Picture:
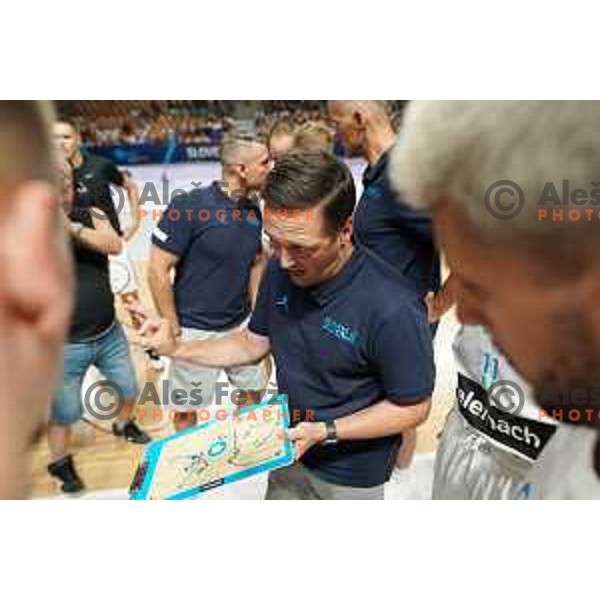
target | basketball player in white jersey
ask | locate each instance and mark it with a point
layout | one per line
(513, 191)
(495, 432)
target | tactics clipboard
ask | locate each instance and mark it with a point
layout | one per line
(247, 442)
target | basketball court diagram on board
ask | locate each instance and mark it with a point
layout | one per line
(244, 443)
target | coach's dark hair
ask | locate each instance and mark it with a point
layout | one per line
(307, 180)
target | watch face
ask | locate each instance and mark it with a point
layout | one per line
(331, 433)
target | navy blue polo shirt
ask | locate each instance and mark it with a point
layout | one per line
(343, 346)
(217, 241)
(400, 235)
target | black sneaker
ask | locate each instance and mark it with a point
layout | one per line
(64, 470)
(131, 432)
(155, 362)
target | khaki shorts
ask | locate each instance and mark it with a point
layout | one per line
(123, 278)
(296, 482)
(200, 383)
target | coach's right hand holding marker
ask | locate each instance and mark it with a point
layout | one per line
(240, 347)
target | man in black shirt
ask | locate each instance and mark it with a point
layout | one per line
(93, 178)
(96, 178)
(95, 338)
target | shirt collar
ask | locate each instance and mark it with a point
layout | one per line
(374, 172)
(330, 289)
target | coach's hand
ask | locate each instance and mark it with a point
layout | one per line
(439, 303)
(435, 309)
(305, 435)
(154, 333)
(176, 328)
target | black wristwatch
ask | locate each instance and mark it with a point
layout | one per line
(331, 433)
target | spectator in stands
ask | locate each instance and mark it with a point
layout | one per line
(280, 139)
(313, 136)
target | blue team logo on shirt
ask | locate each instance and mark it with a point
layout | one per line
(81, 188)
(524, 492)
(282, 304)
(373, 190)
(338, 330)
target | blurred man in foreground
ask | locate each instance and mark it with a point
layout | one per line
(35, 288)
(512, 187)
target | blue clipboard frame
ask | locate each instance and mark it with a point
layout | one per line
(144, 476)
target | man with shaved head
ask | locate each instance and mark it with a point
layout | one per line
(35, 288)
(212, 239)
(512, 187)
(397, 233)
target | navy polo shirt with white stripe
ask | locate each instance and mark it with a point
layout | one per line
(217, 241)
(342, 346)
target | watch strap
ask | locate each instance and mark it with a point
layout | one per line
(331, 430)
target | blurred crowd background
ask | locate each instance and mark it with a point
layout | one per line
(117, 125)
